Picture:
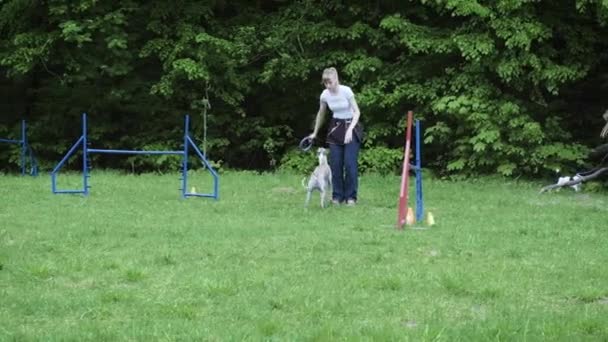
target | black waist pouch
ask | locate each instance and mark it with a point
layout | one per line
(337, 130)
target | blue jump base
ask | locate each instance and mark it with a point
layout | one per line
(86, 165)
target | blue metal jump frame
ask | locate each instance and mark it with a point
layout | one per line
(86, 165)
(418, 171)
(26, 151)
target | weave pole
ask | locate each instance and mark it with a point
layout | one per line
(405, 174)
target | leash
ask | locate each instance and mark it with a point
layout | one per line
(306, 144)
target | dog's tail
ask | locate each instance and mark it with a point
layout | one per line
(304, 183)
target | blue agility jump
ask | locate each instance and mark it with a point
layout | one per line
(27, 155)
(86, 165)
(418, 172)
(403, 209)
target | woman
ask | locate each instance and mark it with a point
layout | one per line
(344, 136)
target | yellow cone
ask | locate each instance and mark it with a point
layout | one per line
(193, 190)
(410, 219)
(430, 220)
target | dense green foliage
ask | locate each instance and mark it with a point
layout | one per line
(510, 86)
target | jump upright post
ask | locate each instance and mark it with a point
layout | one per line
(405, 175)
(26, 151)
(86, 164)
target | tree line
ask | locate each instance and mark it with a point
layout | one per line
(510, 87)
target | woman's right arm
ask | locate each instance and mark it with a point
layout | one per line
(319, 119)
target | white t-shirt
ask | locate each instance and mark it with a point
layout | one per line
(339, 103)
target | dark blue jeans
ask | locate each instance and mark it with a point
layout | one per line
(344, 170)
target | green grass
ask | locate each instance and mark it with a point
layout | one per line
(133, 261)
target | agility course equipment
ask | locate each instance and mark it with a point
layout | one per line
(86, 164)
(405, 174)
(27, 155)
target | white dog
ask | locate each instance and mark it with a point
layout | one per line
(320, 179)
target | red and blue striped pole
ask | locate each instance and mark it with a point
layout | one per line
(403, 194)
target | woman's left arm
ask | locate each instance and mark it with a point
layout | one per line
(348, 137)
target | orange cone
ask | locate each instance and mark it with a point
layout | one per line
(410, 219)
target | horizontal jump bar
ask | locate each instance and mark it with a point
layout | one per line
(11, 141)
(96, 150)
(69, 191)
(199, 195)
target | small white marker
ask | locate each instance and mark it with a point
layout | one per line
(430, 220)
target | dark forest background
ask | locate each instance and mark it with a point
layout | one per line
(510, 87)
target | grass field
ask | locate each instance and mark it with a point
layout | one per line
(134, 261)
